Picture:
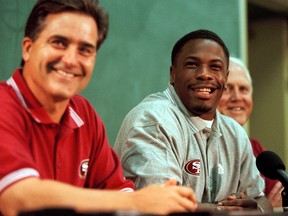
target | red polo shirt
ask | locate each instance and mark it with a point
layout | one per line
(76, 151)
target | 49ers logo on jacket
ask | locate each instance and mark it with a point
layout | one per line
(193, 167)
(83, 168)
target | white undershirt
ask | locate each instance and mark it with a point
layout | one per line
(208, 123)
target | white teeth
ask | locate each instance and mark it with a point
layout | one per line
(203, 90)
(65, 74)
(237, 109)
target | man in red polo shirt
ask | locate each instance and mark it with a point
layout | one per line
(54, 149)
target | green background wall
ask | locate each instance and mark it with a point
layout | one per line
(135, 59)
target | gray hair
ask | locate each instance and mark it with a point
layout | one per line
(243, 66)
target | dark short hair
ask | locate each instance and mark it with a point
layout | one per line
(202, 33)
(36, 20)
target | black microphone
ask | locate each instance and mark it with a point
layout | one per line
(271, 166)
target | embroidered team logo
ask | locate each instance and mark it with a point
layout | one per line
(193, 167)
(83, 168)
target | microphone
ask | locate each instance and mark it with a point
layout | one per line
(271, 166)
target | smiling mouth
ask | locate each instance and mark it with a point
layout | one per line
(236, 109)
(204, 90)
(63, 73)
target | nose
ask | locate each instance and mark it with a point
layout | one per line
(203, 73)
(235, 94)
(69, 57)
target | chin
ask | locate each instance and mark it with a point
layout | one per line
(202, 109)
(240, 121)
(61, 96)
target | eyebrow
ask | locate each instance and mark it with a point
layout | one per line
(89, 45)
(217, 60)
(82, 43)
(192, 57)
(199, 59)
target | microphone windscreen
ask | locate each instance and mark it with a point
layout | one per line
(268, 163)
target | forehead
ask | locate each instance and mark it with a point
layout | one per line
(203, 48)
(237, 75)
(71, 24)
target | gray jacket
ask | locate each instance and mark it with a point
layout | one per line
(159, 139)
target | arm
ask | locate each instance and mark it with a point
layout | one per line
(151, 144)
(148, 157)
(33, 193)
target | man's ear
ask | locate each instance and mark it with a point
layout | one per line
(172, 75)
(26, 48)
(227, 74)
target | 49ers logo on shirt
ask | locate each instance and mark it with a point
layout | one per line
(83, 168)
(193, 167)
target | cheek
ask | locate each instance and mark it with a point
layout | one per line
(89, 65)
(222, 106)
(249, 102)
(222, 102)
(222, 79)
(250, 107)
(88, 68)
(225, 97)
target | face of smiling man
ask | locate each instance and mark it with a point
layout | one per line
(236, 100)
(60, 62)
(199, 75)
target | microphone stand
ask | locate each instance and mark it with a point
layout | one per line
(284, 195)
(282, 176)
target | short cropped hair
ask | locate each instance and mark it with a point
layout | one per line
(36, 20)
(202, 33)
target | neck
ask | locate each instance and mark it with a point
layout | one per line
(56, 110)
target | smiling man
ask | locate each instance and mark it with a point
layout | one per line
(179, 133)
(236, 100)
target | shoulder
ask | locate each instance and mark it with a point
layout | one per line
(155, 115)
(84, 109)
(232, 130)
(10, 103)
(155, 108)
(6, 92)
(79, 100)
(155, 101)
(81, 104)
(229, 123)
(256, 146)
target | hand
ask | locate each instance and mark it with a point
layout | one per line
(165, 199)
(275, 196)
(237, 202)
